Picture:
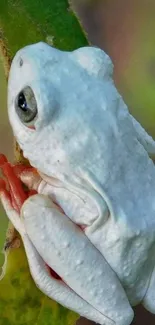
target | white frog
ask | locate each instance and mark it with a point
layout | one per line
(93, 219)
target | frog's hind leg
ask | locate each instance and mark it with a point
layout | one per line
(64, 247)
(149, 298)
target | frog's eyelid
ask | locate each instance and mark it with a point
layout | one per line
(26, 106)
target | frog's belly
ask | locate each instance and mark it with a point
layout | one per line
(131, 257)
(134, 268)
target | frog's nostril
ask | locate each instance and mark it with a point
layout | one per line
(20, 62)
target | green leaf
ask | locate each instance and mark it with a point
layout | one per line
(25, 21)
(21, 302)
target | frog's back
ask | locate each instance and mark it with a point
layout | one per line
(126, 175)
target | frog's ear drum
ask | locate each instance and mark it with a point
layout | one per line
(94, 60)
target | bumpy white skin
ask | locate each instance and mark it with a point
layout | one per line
(93, 158)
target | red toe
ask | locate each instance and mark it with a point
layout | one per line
(16, 191)
(3, 160)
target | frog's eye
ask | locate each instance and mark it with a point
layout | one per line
(26, 105)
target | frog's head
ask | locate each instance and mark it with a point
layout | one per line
(58, 103)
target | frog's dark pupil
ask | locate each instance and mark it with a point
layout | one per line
(22, 104)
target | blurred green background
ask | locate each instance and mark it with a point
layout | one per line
(125, 30)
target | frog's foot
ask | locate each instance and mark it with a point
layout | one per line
(149, 299)
(12, 194)
(15, 191)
